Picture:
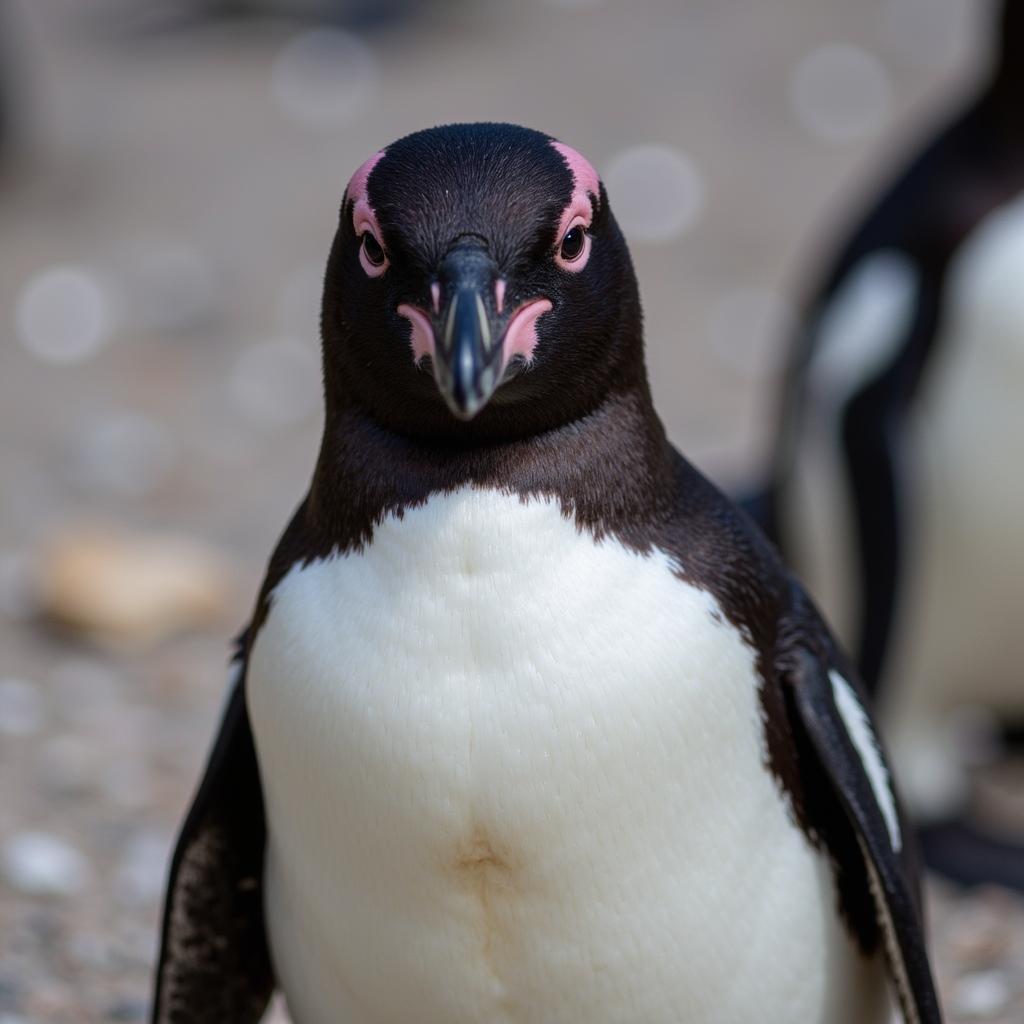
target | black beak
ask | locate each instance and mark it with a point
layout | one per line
(467, 356)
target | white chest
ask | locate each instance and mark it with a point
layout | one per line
(512, 775)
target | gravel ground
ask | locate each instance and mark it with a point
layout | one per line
(165, 212)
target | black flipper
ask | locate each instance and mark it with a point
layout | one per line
(214, 965)
(891, 877)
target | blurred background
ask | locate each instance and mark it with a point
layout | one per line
(170, 175)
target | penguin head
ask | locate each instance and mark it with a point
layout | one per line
(478, 284)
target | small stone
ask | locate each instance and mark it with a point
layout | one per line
(128, 591)
(980, 995)
(43, 865)
(127, 1008)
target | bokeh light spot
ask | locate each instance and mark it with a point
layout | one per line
(656, 191)
(276, 383)
(840, 93)
(63, 315)
(323, 77)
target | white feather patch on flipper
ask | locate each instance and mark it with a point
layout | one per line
(858, 728)
(864, 326)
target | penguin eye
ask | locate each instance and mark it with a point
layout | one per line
(572, 244)
(373, 250)
(574, 249)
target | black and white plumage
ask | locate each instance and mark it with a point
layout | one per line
(894, 489)
(530, 724)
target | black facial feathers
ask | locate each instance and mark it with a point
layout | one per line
(505, 189)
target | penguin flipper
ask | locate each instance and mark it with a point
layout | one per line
(214, 965)
(853, 763)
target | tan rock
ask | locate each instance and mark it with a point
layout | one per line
(128, 590)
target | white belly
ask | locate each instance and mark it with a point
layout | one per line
(514, 776)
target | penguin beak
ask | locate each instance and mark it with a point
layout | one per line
(468, 362)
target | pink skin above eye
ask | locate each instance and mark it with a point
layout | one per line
(364, 219)
(579, 211)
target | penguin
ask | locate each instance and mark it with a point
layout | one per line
(529, 723)
(893, 489)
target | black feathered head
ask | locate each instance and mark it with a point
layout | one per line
(478, 285)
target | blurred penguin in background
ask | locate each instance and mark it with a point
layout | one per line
(897, 481)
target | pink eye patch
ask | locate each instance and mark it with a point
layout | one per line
(579, 210)
(364, 220)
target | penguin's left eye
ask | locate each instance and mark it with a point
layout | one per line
(572, 244)
(574, 249)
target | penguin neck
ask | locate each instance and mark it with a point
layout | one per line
(612, 468)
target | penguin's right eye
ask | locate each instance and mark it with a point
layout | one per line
(373, 250)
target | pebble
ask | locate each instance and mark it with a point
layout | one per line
(981, 995)
(128, 591)
(41, 864)
(128, 1008)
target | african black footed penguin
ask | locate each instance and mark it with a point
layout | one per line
(529, 724)
(897, 490)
